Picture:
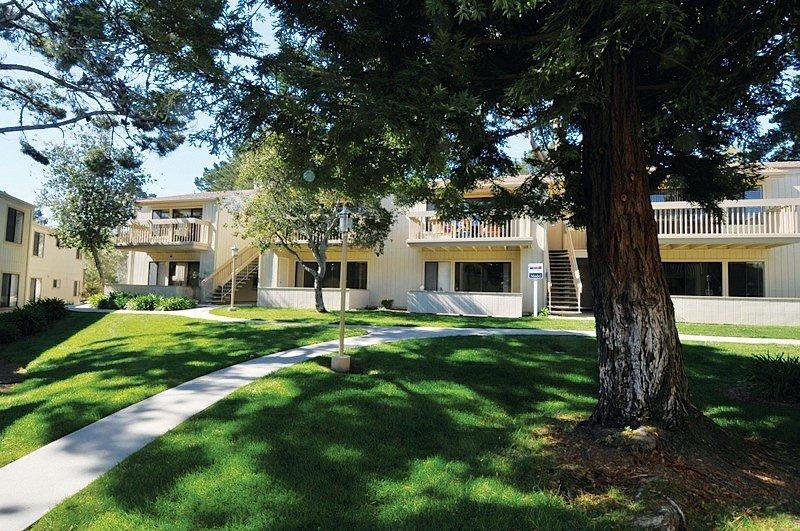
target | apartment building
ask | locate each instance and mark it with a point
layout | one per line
(743, 269)
(15, 228)
(53, 270)
(32, 263)
(181, 245)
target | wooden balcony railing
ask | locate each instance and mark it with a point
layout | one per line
(746, 217)
(426, 226)
(165, 232)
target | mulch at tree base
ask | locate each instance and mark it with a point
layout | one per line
(703, 480)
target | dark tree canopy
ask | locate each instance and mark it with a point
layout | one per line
(117, 64)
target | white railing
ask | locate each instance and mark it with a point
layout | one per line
(164, 232)
(426, 226)
(573, 265)
(746, 217)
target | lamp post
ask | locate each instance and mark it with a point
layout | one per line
(340, 362)
(234, 252)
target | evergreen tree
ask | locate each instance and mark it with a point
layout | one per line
(418, 97)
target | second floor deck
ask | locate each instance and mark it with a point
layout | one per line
(165, 234)
(744, 223)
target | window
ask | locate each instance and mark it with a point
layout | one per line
(694, 278)
(746, 279)
(184, 274)
(9, 290)
(494, 277)
(160, 214)
(356, 275)
(179, 213)
(36, 289)
(38, 244)
(431, 276)
(56, 283)
(76, 288)
(14, 223)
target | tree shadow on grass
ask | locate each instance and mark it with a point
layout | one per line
(428, 433)
(421, 436)
(93, 376)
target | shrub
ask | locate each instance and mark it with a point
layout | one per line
(120, 298)
(776, 377)
(101, 301)
(168, 304)
(30, 319)
(387, 303)
(54, 309)
(544, 312)
(9, 331)
(143, 302)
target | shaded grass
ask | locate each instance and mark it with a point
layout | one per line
(397, 318)
(90, 365)
(444, 433)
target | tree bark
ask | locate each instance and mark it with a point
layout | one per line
(319, 255)
(642, 380)
(98, 264)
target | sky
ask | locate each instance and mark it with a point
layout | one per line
(172, 174)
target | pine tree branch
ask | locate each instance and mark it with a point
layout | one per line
(55, 125)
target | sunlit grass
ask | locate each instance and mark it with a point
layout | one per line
(397, 318)
(90, 365)
(445, 433)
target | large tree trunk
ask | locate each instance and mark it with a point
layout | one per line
(642, 379)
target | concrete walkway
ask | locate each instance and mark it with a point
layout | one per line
(204, 313)
(34, 484)
(37, 482)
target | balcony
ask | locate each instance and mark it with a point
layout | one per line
(426, 230)
(747, 223)
(184, 234)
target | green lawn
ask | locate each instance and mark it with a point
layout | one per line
(395, 318)
(90, 365)
(446, 433)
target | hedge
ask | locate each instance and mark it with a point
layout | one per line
(34, 317)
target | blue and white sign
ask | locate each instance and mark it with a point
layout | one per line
(535, 271)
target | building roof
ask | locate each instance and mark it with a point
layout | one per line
(13, 199)
(198, 197)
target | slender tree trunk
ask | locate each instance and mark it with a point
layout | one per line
(318, 250)
(98, 264)
(642, 379)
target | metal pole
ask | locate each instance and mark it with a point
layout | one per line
(342, 292)
(233, 281)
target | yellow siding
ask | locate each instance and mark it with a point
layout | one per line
(56, 264)
(14, 256)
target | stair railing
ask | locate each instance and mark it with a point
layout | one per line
(573, 265)
(222, 274)
(549, 278)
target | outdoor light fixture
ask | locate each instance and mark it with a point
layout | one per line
(308, 176)
(234, 252)
(340, 362)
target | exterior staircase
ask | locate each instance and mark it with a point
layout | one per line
(563, 293)
(217, 286)
(222, 293)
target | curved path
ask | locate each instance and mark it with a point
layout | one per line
(37, 482)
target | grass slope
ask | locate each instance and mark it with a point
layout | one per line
(447, 433)
(90, 365)
(395, 318)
